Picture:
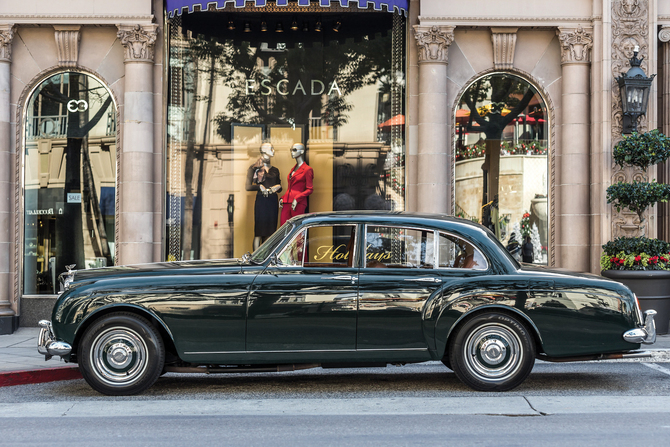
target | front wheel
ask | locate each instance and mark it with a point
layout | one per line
(492, 352)
(121, 354)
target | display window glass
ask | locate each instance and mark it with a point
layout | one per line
(69, 171)
(245, 88)
(501, 163)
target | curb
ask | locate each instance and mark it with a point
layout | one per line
(33, 376)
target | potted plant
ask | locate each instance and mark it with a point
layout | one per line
(641, 263)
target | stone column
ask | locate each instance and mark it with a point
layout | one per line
(136, 213)
(573, 211)
(434, 182)
(7, 314)
(664, 168)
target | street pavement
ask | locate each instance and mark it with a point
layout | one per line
(20, 363)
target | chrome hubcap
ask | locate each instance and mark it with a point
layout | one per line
(493, 352)
(119, 356)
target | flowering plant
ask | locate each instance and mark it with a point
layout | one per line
(635, 253)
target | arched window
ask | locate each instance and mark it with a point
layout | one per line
(69, 171)
(501, 173)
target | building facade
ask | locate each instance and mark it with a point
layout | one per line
(131, 131)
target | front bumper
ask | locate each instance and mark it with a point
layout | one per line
(645, 334)
(47, 344)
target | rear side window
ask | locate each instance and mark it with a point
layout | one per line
(398, 247)
(456, 253)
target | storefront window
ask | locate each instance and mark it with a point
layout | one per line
(69, 170)
(333, 82)
(501, 151)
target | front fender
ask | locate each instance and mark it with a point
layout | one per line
(73, 314)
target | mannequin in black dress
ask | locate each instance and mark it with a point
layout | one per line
(264, 178)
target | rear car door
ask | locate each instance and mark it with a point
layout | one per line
(397, 278)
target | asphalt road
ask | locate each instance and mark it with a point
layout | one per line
(605, 403)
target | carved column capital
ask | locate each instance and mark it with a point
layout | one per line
(504, 43)
(664, 33)
(67, 44)
(138, 42)
(6, 37)
(433, 42)
(576, 45)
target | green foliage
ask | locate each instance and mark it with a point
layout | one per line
(642, 149)
(635, 253)
(638, 253)
(637, 196)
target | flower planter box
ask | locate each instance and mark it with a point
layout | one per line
(652, 288)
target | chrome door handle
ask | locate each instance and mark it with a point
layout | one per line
(341, 278)
(435, 280)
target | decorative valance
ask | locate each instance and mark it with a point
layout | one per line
(178, 6)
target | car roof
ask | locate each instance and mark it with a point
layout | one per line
(443, 221)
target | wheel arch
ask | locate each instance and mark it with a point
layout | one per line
(511, 311)
(153, 319)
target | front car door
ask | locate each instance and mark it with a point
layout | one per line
(304, 305)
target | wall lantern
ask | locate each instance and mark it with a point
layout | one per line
(634, 88)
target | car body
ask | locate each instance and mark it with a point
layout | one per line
(342, 289)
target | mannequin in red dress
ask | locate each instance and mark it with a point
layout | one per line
(300, 185)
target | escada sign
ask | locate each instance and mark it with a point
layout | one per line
(284, 88)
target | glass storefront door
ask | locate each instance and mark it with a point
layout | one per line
(69, 169)
(501, 153)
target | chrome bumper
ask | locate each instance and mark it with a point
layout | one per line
(646, 334)
(47, 344)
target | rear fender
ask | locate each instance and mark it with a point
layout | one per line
(455, 313)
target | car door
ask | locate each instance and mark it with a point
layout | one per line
(307, 301)
(397, 278)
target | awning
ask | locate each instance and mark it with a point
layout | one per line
(177, 6)
(398, 120)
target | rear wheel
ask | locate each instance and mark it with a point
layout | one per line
(492, 352)
(121, 354)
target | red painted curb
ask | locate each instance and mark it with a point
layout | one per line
(39, 376)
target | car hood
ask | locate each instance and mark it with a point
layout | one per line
(155, 267)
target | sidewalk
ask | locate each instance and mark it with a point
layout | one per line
(21, 364)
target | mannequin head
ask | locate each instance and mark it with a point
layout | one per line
(297, 150)
(267, 151)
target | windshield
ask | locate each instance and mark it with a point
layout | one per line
(262, 252)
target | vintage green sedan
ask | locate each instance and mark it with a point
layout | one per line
(342, 290)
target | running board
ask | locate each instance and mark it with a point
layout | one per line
(217, 369)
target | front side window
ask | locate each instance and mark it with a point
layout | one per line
(398, 247)
(69, 166)
(321, 246)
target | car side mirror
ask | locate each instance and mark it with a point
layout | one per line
(274, 260)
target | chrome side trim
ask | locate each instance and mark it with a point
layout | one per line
(306, 350)
(646, 334)
(47, 344)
